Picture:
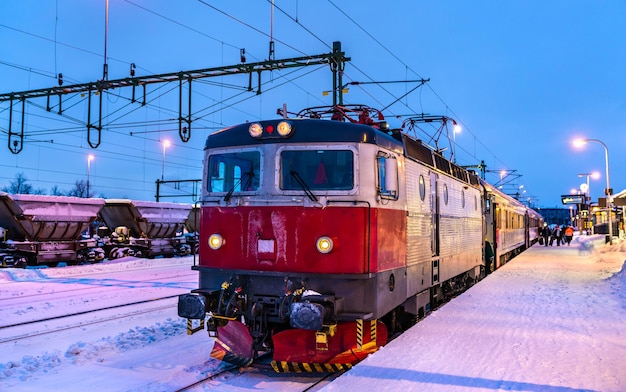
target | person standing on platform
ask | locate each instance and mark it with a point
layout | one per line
(569, 234)
(489, 255)
(558, 235)
(546, 234)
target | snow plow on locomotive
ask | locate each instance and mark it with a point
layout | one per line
(319, 238)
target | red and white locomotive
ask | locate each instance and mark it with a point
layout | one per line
(319, 237)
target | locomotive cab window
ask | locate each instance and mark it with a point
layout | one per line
(387, 176)
(322, 169)
(234, 172)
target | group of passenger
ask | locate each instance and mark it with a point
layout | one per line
(557, 234)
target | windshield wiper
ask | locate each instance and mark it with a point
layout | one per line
(245, 175)
(294, 174)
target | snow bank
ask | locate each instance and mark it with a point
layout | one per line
(81, 352)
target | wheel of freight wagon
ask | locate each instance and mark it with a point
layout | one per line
(99, 255)
(183, 250)
(21, 262)
(52, 264)
(113, 254)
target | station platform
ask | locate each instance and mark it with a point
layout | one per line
(551, 319)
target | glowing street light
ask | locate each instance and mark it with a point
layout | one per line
(166, 144)
(90, 158)
(456, 128)
(502, 174)
(594, 175)
(608, 191)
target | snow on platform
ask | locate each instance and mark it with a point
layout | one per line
(552, 319)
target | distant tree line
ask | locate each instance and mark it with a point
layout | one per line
(21, 186)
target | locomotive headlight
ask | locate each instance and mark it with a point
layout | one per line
(284, 128)
(324, 244)
(256, 130)
(215, 241)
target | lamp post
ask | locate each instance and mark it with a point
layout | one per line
(90, 158)
(594, 175)
(166, 144)
(608, 191)
(456, 128)
(587, 192)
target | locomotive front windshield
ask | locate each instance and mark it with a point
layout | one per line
(318, 169)
(234, 172)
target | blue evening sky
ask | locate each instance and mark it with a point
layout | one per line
(523, 78)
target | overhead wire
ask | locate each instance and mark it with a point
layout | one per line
(385, 48)
(200, 114)
(250, 26)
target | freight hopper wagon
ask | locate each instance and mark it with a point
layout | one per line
(192, 228)
(144, 228)
(46, 230)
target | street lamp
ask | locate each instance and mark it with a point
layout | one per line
(90, 158)
(608, 191)
(166, 144)
(502, 174)
(456, 128)
(594, 175)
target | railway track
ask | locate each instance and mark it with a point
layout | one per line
(259, 371)
(77, 320)
(26, 299)
(92, 285)
(4, 330)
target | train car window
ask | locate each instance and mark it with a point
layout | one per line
(318, 169)
(498, 217)
(234, 172)
(445, 194)
(387, 176)
(422, 187)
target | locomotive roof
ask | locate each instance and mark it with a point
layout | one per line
(306, 130)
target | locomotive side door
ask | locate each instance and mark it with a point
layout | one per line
(434, 227)
(491, 230)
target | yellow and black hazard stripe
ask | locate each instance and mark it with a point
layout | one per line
(298, 367)
(360, 333)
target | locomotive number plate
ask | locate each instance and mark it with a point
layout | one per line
(265, 246)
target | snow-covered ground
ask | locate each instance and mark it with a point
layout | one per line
(138, 352)
(550, 320)
(553, 319)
